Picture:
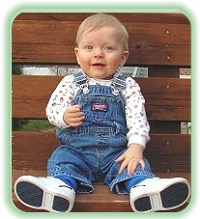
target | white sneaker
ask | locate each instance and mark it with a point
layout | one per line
(48, 193)
(156, 194)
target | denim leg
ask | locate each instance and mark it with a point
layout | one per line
(64, 161)
(116, 181)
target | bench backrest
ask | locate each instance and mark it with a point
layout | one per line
(159, 41)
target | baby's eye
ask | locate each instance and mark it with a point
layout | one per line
(89, 47)
(108, 48)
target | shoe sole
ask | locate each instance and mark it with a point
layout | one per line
(35, 197)
(171, 197)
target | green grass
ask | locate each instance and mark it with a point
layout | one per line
(36, 125)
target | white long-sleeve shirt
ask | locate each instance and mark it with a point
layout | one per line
(137, 122)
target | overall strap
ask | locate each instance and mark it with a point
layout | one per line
(118, 84)
(80, 77)
(119, 81)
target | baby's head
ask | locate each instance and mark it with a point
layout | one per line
(102, 46)
(100, 20)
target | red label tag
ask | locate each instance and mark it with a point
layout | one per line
(100, 107)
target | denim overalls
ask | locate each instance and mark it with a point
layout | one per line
(88, 153)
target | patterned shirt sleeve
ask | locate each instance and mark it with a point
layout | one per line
(137, 122)
(59, 101)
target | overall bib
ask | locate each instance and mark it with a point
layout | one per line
(88, 153)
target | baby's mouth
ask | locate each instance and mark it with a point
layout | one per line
(98, 64)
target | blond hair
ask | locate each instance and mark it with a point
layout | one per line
(100, 20)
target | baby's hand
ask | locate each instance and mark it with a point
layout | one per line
(131, 158)
(73, 116)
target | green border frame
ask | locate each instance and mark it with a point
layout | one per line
(7, 132)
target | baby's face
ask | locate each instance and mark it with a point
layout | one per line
(100, 52)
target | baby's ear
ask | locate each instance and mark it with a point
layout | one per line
(76, 54)
(76, 51)
(124, 58)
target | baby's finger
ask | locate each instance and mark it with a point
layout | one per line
(120, 158)
(123, 166)
(132, 166)
(74, 109)
(142, 163)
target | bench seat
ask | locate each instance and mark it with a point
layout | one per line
(101, 200)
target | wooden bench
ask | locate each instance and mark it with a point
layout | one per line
(159, 41)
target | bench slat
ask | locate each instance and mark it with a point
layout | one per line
(168, 45)
(136, 17)
(166, 152)
(166, 98)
